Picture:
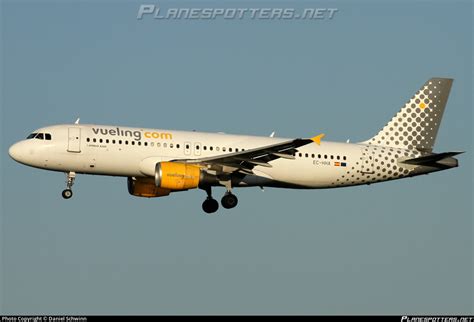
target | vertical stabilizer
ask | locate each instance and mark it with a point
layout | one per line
(416, 125)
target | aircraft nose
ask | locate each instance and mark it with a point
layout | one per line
(16, 151)
(13, 151)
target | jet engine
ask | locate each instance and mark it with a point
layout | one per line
(177, 176)
(145, 187)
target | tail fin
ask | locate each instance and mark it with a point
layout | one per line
(415, 126)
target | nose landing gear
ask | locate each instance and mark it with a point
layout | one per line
(67, 193)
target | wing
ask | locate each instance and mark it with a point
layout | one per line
(245, 161)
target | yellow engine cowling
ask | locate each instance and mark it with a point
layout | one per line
(177, 176)
(145, 187)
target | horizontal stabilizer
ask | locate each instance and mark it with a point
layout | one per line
(431, 159)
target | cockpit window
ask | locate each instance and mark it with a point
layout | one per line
(39, 136)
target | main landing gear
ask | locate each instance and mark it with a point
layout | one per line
(67, 193)
(210, 205)
(229, 200)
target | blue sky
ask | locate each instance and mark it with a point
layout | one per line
(393, 248)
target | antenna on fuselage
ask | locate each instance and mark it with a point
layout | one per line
(273, 134)
(77, 121)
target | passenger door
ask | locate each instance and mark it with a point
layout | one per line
(74, 139)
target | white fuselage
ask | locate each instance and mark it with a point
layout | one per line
(134, 152)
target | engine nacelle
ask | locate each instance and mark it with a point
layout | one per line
(177, 176)
(145, 187)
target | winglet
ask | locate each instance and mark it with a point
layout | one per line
(317, 138)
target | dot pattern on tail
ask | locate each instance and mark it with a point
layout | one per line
(377, 164)
(411, 133)
(415, 126)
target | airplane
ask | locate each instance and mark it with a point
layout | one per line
(158, 162)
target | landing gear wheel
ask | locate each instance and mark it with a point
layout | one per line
(67, 193)
(70, 176)
(229, 201)
(210, 205)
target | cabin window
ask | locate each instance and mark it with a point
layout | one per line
(230, 149)
(312, 155)
(171, 145)
(126, 142)
(88, 140)
(177, 146)
(113, 141)
(344, 158)
(94, 140)
(332, 157)
(133, 142)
